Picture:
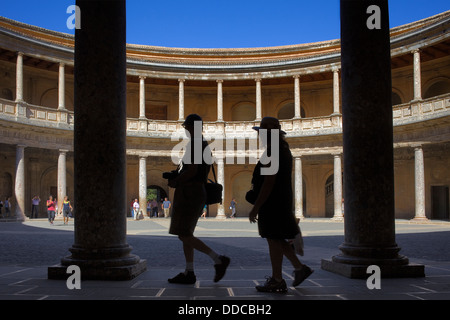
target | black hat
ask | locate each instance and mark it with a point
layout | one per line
(269, 123)
(190, 119)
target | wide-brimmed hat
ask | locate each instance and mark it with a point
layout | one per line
(269, 123)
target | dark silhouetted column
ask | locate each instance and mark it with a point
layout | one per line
(100, 248)
(368, 145)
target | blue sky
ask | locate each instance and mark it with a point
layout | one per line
(222, 23)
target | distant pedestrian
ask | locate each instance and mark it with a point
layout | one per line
(136, 209)
(35, 207)
(66, 209)
(154, 206)
(276, 221)
(149, 208)
(1, 208)
(51, 207)
(189, 200)
(166, 207)
(233, 208)
(7, 207)
(205, 211)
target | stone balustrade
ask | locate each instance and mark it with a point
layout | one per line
(412, 112)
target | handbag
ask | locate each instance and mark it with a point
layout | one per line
(213, 190)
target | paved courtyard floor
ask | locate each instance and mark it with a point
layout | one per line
(27, 249)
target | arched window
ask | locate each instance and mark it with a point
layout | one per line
(287, 111)
(245, 111)
(438, 88)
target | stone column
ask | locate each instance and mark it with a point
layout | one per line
(419, 183)
(219, 100)
(61, 88)
(62, 178)
(143, 184)
(298, 183)
(19, 186)
(297, 105)
(337, 188)
(258, 99)
(100, 248)
(221, 180)
(19, 77)
(142, 98)
(336, 91)
(368, 172)
(180, 99)
(417, 76)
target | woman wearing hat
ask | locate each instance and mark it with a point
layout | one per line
(189, 200)
(272, 209)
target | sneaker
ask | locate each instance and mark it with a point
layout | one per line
(301, 275)
(273, 286)
(221, 268)
(184, 278)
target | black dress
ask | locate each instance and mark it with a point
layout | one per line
(276, 219)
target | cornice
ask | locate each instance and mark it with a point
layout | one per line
(238, 60)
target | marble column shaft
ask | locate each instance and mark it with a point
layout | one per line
(141, 97)
(143, 184)
(62, 178)
(337, 187)
(417, 75)
(419, 183)
(61, 88)
(298, 190)
(297, 103)
(180, 99)
(19, 186)
(258, 99)
(219, 100)
(221, 180)
(19, 77)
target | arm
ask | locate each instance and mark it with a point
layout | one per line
(190, 172)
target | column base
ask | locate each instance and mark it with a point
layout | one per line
(419, 219)
(91, 272)
(388, 270)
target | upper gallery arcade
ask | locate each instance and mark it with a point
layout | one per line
(231, 89)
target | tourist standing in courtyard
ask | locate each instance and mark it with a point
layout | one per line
(35, 207)
(276, 220)
(51, 205)
(189, 200)
(66, 209)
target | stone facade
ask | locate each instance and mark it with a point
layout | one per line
(232, 89)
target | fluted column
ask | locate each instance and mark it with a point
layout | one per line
(297, 106)
(180, 99)
(419, 184)
(19, 186)
(219, 100)
(221, 180)
(417, 76)
(298, 184)
(337, 187)
(62, 177)
(143, 183)
(258, 99)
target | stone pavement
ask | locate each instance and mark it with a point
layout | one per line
(27, 249)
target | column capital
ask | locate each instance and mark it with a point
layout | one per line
(181, 80)
(219, 80)
(296, 76)
(258, 79)
(63, 151)
(142, 77)
(20, 53)
(417, 50)
(335, 69)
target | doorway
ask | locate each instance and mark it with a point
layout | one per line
(439, 202)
